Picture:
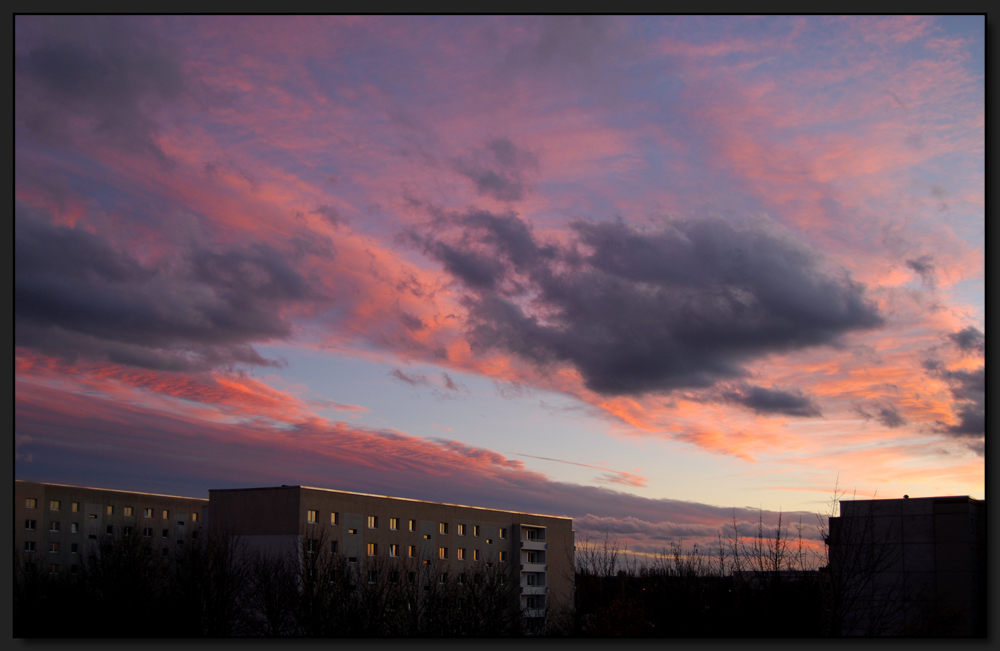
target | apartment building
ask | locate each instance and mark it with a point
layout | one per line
(55, 524)
(909, 566)
(534, 550)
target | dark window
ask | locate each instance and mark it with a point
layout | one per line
(30, 525)
(333, 547)
(111, 529)
(166, 533)
(73, 548)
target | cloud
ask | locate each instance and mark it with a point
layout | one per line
(609, 477)
(771, 401)
(969, 340)
(924, 266)
(636, 311)
(968, 389)
(108, 76)
(78, 295)
(414, 379)
(498, 169)
(331, 215)
(882, 411)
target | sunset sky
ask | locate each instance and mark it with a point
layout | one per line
(648, 273)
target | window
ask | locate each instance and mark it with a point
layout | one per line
(76, 509)
(92, 536)
(128, 511)
(461, 529)
(442, 527)
(394, 576)
(110, 510)
(475, 554)
(503, 556)
(30, 503)
(443, 553)
(53, 526)
(147, 513)
(126, 531)
(373, 549)
(393, 550)
(194, 517)
(53, 568)
(411, 577)
(333, 546)
(412, 551)
(74, 527)
(334, 518)
(444, 578)
(110, 530)
(534, 557)
(74, 568)
(74, 548)
(194, 534)
(29, 545)
(164, 552)
(489, 541)
(427, 536)
(461, 579)
(53, 548)
(353, 532)
(166, 514)
(352, 559)
(166, 533)
(180, 523)
(373, 522)
(311, 516)
(460, 554)
(312, 546)
(475, 530)
(394, 524)
(147, 532)
(29, 525)
(92, 516)
(503, 534)
(372, 576)
(413, 525)
(54, 505)
(536, 601)
(427, 562)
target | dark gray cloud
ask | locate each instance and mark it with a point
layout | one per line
(498, 169)
(681, 306)
(881, 411)
(968, 389)
(969, 340)
(771, 401)
(924, 266)
(77, 295)
(106, 75)
(413, 379)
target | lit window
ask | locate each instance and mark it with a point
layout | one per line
(53, 505)
(412, 551)
(394, 524)
(393, 550)
(333, 547)
(503, 534)
(311, 516)
(30, 524)
(194, 517)
(166, 514)
(74, 527)
(74, 549)
(352, 531)
(443, 553)
(53, 526)
(76, 509)
(413, 525)
(110, 510)
(427, 536)
(128, 510)
(373, 522)
(503, 556)
(489, 541)
(475, 530)
(444, 578)
(460, 554)
(30, 503)
(461, 529)
(443, 527)
(29, 545)
(426, 562)
(92, 516)
(372, 549)
(147, 513)
(147, 532)
(334, 518)
(53, 548)
(475, 554)
(489, 565)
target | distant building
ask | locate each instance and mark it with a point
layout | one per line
(908, 567)
(54, 524)
(536, 550)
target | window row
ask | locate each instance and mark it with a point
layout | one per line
(312, 517)
(56, 505)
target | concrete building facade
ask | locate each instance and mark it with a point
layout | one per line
(909, 566)
(55, 524)
(536, 551)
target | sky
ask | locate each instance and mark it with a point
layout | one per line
(658, 274)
